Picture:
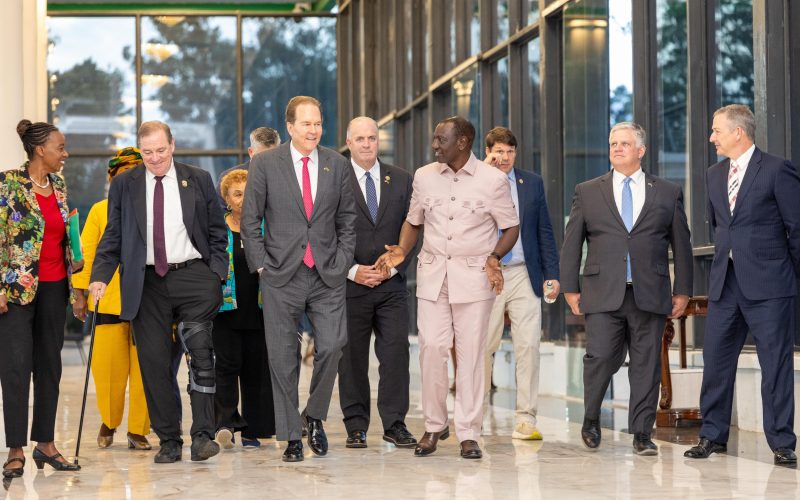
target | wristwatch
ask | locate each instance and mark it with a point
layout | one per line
(496, 256)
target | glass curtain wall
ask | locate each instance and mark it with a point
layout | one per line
(212, 78)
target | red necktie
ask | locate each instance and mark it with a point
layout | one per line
(159, 243)
(308, 204)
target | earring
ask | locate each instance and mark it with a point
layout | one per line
(229, 208)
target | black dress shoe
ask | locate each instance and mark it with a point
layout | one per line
(399, 436)
(704, 449)
(317, 439)
(470, 449)
(53, 461)
(203, 447)
(590, 432)
(293, 452)
(170, 452)
(427, 444)
(785, 456)
(356, 439)
(643, 445)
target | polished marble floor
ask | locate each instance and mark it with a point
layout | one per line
(558, 467)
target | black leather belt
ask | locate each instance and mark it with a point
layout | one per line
(179, 265)
(628, 285)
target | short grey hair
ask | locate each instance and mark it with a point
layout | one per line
(638, 131)
(265, 136)
(360, 119)
(739, 116)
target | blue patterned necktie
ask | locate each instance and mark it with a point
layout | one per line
(372, 198)
(627, 214)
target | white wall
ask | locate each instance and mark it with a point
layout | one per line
(23, 79)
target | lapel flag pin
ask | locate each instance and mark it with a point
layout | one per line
(387, 179)
(184, 183)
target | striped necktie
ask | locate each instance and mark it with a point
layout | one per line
(733, 184)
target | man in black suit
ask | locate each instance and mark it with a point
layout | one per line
(629, 220)
(754, 213)
(375, 302)
(166, 234)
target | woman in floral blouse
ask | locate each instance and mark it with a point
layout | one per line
(35, 266)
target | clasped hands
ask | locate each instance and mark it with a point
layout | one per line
(394, 256)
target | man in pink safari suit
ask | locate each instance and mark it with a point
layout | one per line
(462, 202)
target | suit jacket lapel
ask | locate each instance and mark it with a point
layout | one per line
(749, 176)
(649, 196)
(607, 188)
(325, 178)
(139, 199)
(522, 194)
(287, 167)
(385, 183)
(186, 189)
(360, 201)
(30, 195)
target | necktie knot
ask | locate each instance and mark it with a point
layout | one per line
(305, 161)
(159, 178)
(627, 181)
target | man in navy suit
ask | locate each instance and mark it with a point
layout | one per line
(754, 212)
(532, 262)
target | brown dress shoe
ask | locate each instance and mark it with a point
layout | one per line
(105, 436)
(138, 442)
(470, 449)
(427, 444)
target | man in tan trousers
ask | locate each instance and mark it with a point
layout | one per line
(462, 202)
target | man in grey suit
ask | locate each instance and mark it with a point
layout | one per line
(629, 220)
(302, 193)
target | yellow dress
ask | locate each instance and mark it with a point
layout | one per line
(114, 360)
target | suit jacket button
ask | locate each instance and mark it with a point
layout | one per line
(303, 245)
(309, 226)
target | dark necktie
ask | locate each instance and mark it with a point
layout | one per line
(372, 198)
(159, 243)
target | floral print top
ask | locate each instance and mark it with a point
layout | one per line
(21, 233)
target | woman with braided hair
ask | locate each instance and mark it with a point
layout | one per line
(116, 361)
(35, 265)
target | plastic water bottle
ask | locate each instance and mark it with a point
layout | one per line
(548, 289)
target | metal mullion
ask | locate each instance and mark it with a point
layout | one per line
(239, 89)
(138, 76)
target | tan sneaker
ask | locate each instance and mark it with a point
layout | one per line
(526, 430)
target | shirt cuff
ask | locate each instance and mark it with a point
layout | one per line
(392, 273)
(351, 275)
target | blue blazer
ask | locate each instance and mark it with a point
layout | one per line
(763, 231)
(535, 230)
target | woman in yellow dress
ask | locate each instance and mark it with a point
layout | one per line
(114, 360)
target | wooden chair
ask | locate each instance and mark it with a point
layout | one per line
(666, 416)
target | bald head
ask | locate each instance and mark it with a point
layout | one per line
(362, 140)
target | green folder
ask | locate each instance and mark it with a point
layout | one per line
(74, 228)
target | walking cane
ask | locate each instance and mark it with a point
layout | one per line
(86, 381)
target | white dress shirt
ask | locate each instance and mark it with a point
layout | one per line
(637, 190)
(179, 244)
(313, 169)
(361, 176)
(741, 164)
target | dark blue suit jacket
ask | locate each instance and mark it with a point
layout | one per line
(535, 230)
(763, 231)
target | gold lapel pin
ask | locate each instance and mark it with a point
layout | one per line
(649, 184)
(387, 179)
(184, 183)
(326, 169)
(521, 181)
